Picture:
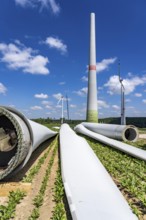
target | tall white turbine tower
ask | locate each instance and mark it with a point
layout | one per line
(92, 114)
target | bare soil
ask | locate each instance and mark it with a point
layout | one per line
(24, 209)
(142, 136)
(48, 205)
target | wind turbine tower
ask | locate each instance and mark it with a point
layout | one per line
(62, 108)
(123, 119)
(92, 114)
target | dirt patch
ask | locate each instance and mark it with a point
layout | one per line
(48, 205)
(24, 209)
(142, 136)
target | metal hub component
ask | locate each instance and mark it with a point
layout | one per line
(19, 137)
(13, 149)
(7, 140)
(119, 132)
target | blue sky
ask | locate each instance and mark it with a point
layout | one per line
(44, 53)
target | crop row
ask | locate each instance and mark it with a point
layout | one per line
(38, 200)
(34, 170)
(59, 209)
(128, 172)
(8, 211)
(14, 198)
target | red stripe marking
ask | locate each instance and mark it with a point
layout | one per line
(92, 67)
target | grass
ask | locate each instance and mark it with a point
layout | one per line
(128, 173)
(141, 143)
(142, 130)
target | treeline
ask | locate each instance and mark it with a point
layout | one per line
(43, 121)
(137, 121)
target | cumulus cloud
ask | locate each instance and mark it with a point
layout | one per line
(23, 3)
(40, 3)
(104, 64)
(102, 104)
(62, 83)
(144, 101)
(114, 86)
(3, 89)
(127, 100)
(116, 107)
(48, 107)
(82, 92)
(46, 102)
(36, 107)
(56, 43)
(57, 96)
(41, 96)
(20, 57)
(73, 106)
(55, 7)
(138, 94)
(84, 78)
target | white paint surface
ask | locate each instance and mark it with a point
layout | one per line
(90, 191)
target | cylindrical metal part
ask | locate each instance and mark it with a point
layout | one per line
(119, 132)
(92, 85)
(19, 137)
(126, 148)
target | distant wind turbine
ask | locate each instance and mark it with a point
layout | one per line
(123, 119)
(61, 100)
(67, 107)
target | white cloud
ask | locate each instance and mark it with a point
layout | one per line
(46, 103)
(116, 107)
(57, 44)
(104, 64)
(144, 101)
(41, 96)
(138, 94)
(102, 104)
(57, 96)
(127, 100)
(100, 88)
(20, 57)
(73, 106)
(82, 92)
(130, 74)
(114, 86)
(48, 107)
(62, 83)
(130, 107)
(36, 107)
(84, 78)
(40, 3)
(55, 7)
(23, 3)
(3, 89)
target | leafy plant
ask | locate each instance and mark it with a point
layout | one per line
(128, 172)
(8, 211)
(38, 200)
(59, 210)
(37, 167)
